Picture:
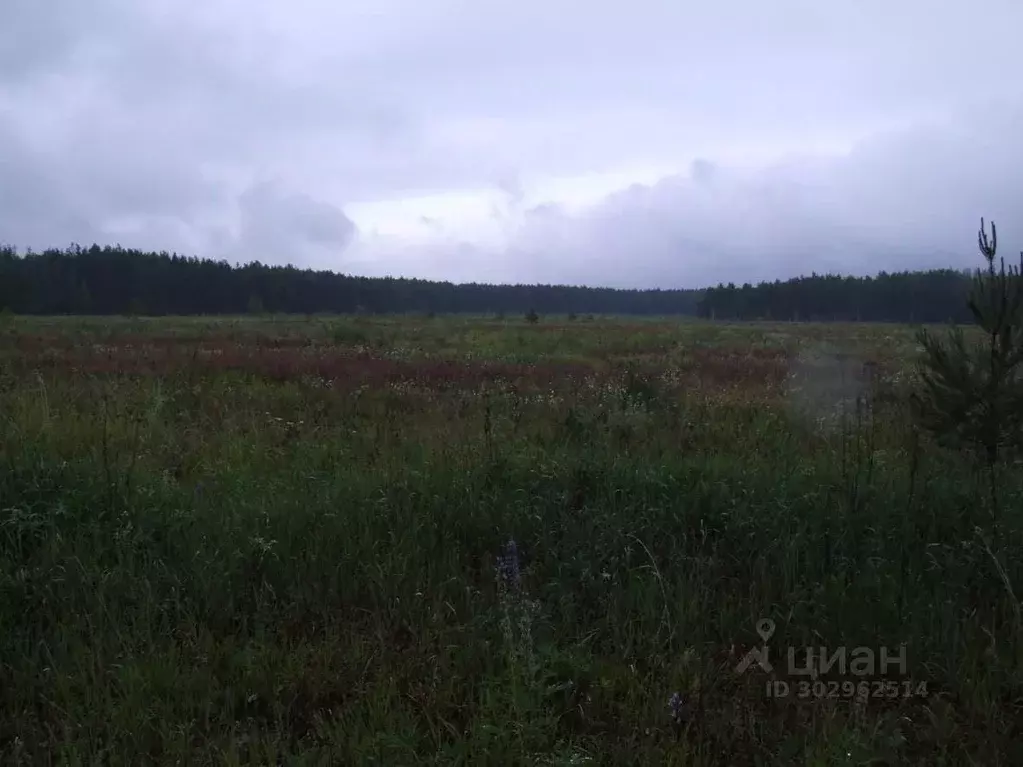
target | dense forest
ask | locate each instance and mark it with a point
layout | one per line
(938, 295)
(115, 280)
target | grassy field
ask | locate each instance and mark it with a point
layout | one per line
(409, 540)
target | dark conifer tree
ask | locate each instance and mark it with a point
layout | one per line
(971, 392)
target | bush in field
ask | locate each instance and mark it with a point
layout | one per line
(971, 393)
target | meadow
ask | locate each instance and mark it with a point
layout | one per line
(436, 540)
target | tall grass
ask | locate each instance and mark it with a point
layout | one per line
(246, 562)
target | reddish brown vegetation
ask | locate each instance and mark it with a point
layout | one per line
(764, 368)
(349, 367)
(343, 368)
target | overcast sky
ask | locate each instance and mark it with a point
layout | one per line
(645, 143)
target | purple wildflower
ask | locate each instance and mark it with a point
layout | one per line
(675, 705)
(508, 566)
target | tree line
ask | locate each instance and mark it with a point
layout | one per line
(936, 295)
(116, 280)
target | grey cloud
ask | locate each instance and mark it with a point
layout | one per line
(445, 258)
(277, 226)
(34, 208)
(703, 172)
(906, 200)
(148, 121)
(43, 37)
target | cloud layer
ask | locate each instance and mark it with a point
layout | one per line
(789, 138)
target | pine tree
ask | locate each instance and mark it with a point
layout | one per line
(255, 304)
(971, 393)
